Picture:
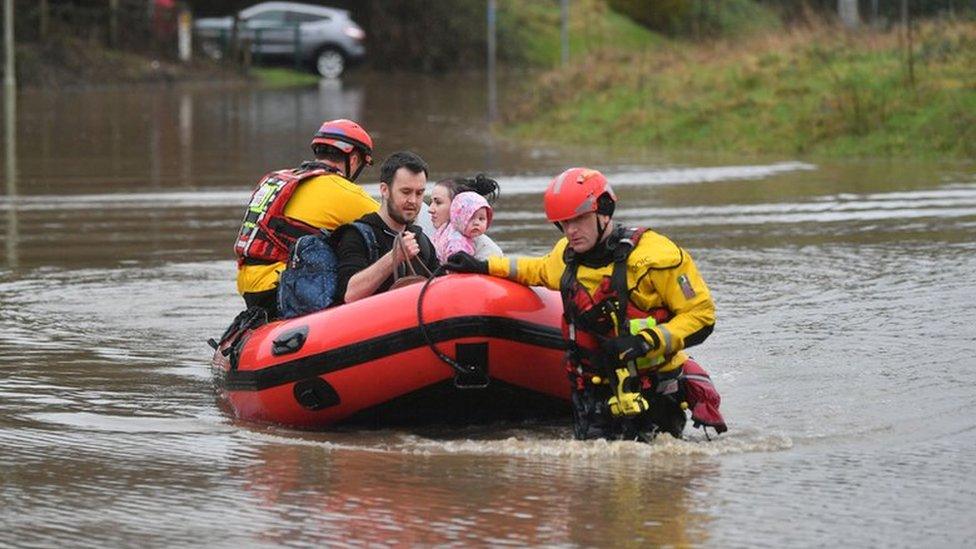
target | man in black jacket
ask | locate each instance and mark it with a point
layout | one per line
(403, 180)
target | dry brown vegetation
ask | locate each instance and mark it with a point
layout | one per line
(811, 89)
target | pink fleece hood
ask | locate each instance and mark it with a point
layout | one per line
(463, 208)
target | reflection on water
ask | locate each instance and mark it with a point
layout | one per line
(843, 347)
(186, 137)
(539, 503)
(12, 237)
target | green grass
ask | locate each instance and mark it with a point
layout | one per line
(529, 32)
(821, 93)
(277, 77)
(700, 18)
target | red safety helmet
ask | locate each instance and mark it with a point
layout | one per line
(578, 191)
(344, 135)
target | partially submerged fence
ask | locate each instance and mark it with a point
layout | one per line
(143, 26)
(247, 46)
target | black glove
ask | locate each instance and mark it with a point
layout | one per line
(463, 262)
(626, 348)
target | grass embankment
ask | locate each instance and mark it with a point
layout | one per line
(817, 92)
(66, 61)
(529, 32)
(279, 77)
(71, 62)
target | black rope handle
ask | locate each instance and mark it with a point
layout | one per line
(399, 246)
(398, 250)
(457, 366)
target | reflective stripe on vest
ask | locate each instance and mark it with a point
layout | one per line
(636, 326)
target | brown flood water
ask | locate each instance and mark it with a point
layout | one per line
(844, 348)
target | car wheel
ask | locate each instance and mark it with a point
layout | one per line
(330, 63)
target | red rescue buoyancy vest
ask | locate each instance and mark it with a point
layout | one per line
(267, 235)
(589, 318)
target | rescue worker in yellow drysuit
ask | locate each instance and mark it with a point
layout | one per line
(633, 300)
(288, 204)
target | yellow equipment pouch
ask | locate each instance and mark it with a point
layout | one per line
(626, 402)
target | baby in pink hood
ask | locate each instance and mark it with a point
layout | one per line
(470, 218)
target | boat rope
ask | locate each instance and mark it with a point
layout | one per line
(461, 369)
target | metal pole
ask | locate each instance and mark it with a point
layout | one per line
(184, 35)
(113, 23)
(10, 126)
(257, 46)
(492, 77)
(565, 32)
(297, 44)
(9, 78)
(9, 91)
(906, 22)
(44, 13)
(235, 42)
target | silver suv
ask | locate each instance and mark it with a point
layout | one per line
(326, 39)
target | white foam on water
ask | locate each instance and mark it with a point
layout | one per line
(531, 184)
(185, 199)
(845, 207)
(662, 446)
(89, 421)
(517, 184)
(534, 444)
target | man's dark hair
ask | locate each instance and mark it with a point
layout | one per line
(401, 159)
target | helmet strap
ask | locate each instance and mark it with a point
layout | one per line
(359, 170)
(600, 229)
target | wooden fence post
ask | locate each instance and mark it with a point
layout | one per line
(184, 35)
(234, 47)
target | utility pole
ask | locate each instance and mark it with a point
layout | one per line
(9, 96)
(113, 23)
(564, 35)
(910, 46)
(9, 78)
(44, 14)
(10, 126)
(492, 51)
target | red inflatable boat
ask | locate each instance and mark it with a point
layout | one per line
(478, 348)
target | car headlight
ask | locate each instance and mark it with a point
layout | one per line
(355, 33)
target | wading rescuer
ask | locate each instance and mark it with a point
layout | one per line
(288, 204)
(632, 301)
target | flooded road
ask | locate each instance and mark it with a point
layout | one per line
(844, 348)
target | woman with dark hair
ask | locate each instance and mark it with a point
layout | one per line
(440, 206)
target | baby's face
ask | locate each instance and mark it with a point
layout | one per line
(478, 224)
